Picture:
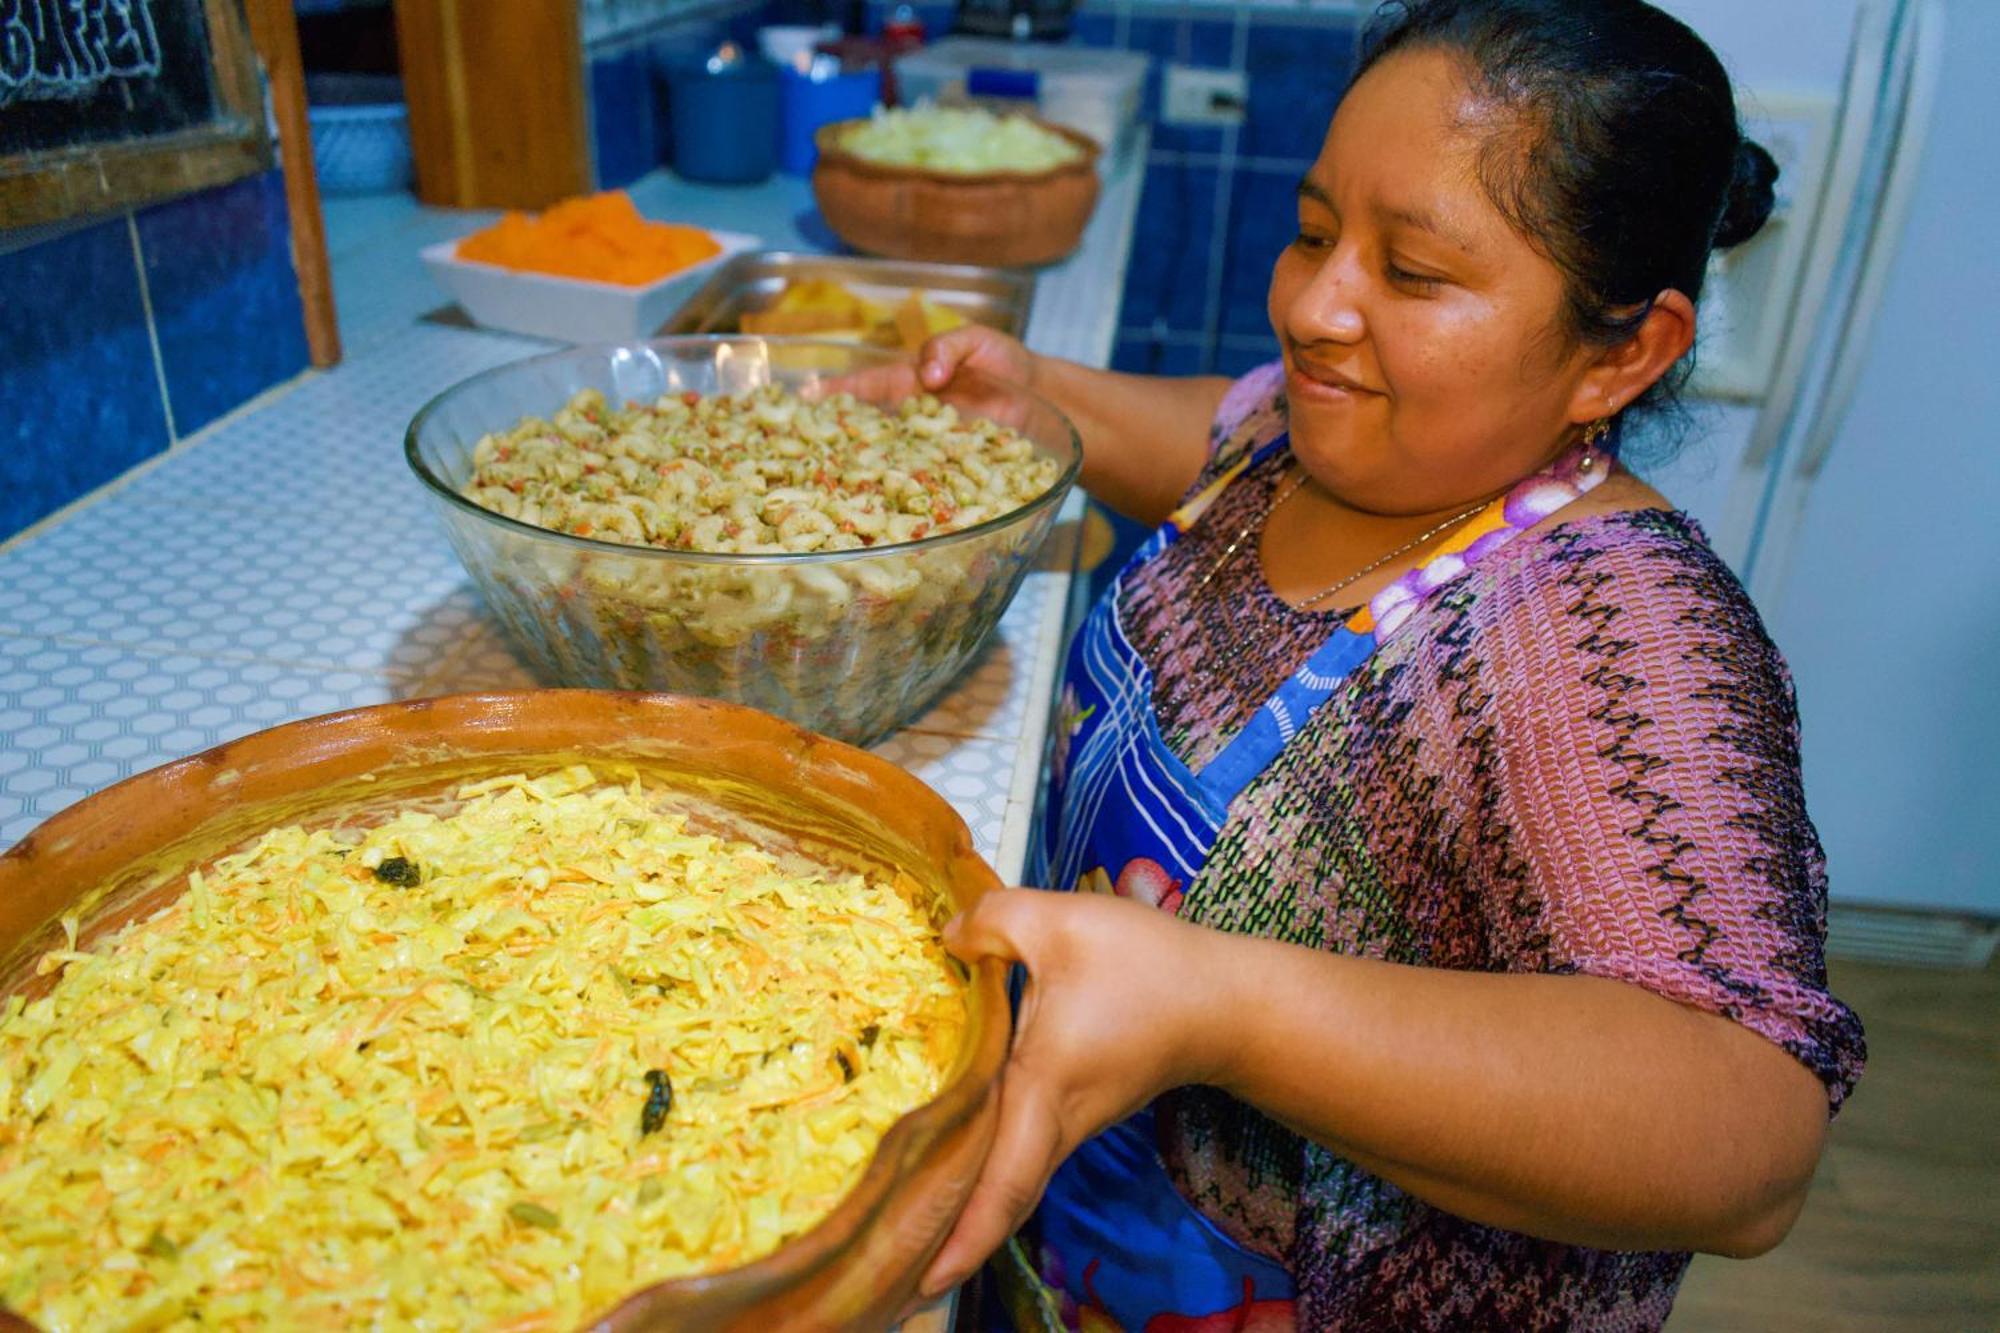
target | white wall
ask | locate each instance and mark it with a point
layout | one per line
(1773, 43)
(1770, 47)
(1890, 613)
(1699, 475)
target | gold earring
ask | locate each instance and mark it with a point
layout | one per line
(1594, 433)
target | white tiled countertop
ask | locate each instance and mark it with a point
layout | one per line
(283, 562)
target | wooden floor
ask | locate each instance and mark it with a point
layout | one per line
(1903, 1227)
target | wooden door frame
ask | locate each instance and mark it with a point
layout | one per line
(498, 115)
(274, 31)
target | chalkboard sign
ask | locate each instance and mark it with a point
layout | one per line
(109, 103)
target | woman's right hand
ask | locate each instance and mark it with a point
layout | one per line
(1144, 437)
(937, 363)
(1123, 1001)
(975, 347)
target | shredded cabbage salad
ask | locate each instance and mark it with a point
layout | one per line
(495, 1067)
(957, 139)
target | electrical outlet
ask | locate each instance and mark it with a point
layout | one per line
(1193, 96)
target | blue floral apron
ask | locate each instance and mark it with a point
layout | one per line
(1114, 1246)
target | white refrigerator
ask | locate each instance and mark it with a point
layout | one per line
(1847, 456)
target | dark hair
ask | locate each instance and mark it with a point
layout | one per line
(1618, 154)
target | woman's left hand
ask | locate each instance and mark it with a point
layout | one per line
(1117, 1009)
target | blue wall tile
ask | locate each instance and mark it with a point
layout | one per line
(1205, 43)
(76, 372)
(1094, 28)
(225, 296)
(1155, 37)
(1298, 71)
(1133, 354)
(1210, 42)
(1235, 361)
(1167, 278)
(1140, 355)
(622, 119)
(1298, 64)
(1263, 219)
(1170, 41)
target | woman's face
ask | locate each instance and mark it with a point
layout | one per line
(1425, 360)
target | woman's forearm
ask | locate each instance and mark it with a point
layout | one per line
(1574, 1108)
(1145, 437)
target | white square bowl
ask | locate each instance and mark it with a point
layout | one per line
(572, 310)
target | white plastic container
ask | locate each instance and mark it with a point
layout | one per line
(790, 45)
(572, 310)
(1096, 92)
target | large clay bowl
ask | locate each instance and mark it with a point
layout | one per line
(1002, 218)
(122, 853)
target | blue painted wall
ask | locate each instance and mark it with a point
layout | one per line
(126, 333)
(1217, 206)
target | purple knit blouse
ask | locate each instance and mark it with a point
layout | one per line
(1581, 756)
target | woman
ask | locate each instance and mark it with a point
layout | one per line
(1461, 960)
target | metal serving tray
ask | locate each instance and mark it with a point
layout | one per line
(999, 298)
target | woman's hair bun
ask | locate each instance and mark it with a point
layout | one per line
(1747, 203)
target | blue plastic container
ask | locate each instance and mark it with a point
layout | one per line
(360, 133)
(808, 103)
(725, 119)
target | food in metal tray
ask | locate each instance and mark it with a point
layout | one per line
(824, 308)
(494, 1063)
(760, 283)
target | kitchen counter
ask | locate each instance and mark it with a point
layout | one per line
(283, 563)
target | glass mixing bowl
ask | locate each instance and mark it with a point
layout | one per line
(851, 644)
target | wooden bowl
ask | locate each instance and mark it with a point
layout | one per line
(124, 852)
(999, 218)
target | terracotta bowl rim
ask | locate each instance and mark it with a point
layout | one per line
(724, 1292)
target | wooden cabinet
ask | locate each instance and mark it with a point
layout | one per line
(496, 98)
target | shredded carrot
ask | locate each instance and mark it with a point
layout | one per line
(285, 1117)
(520, 1279)
(600, 237)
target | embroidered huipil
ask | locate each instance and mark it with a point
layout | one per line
(1578, 756)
